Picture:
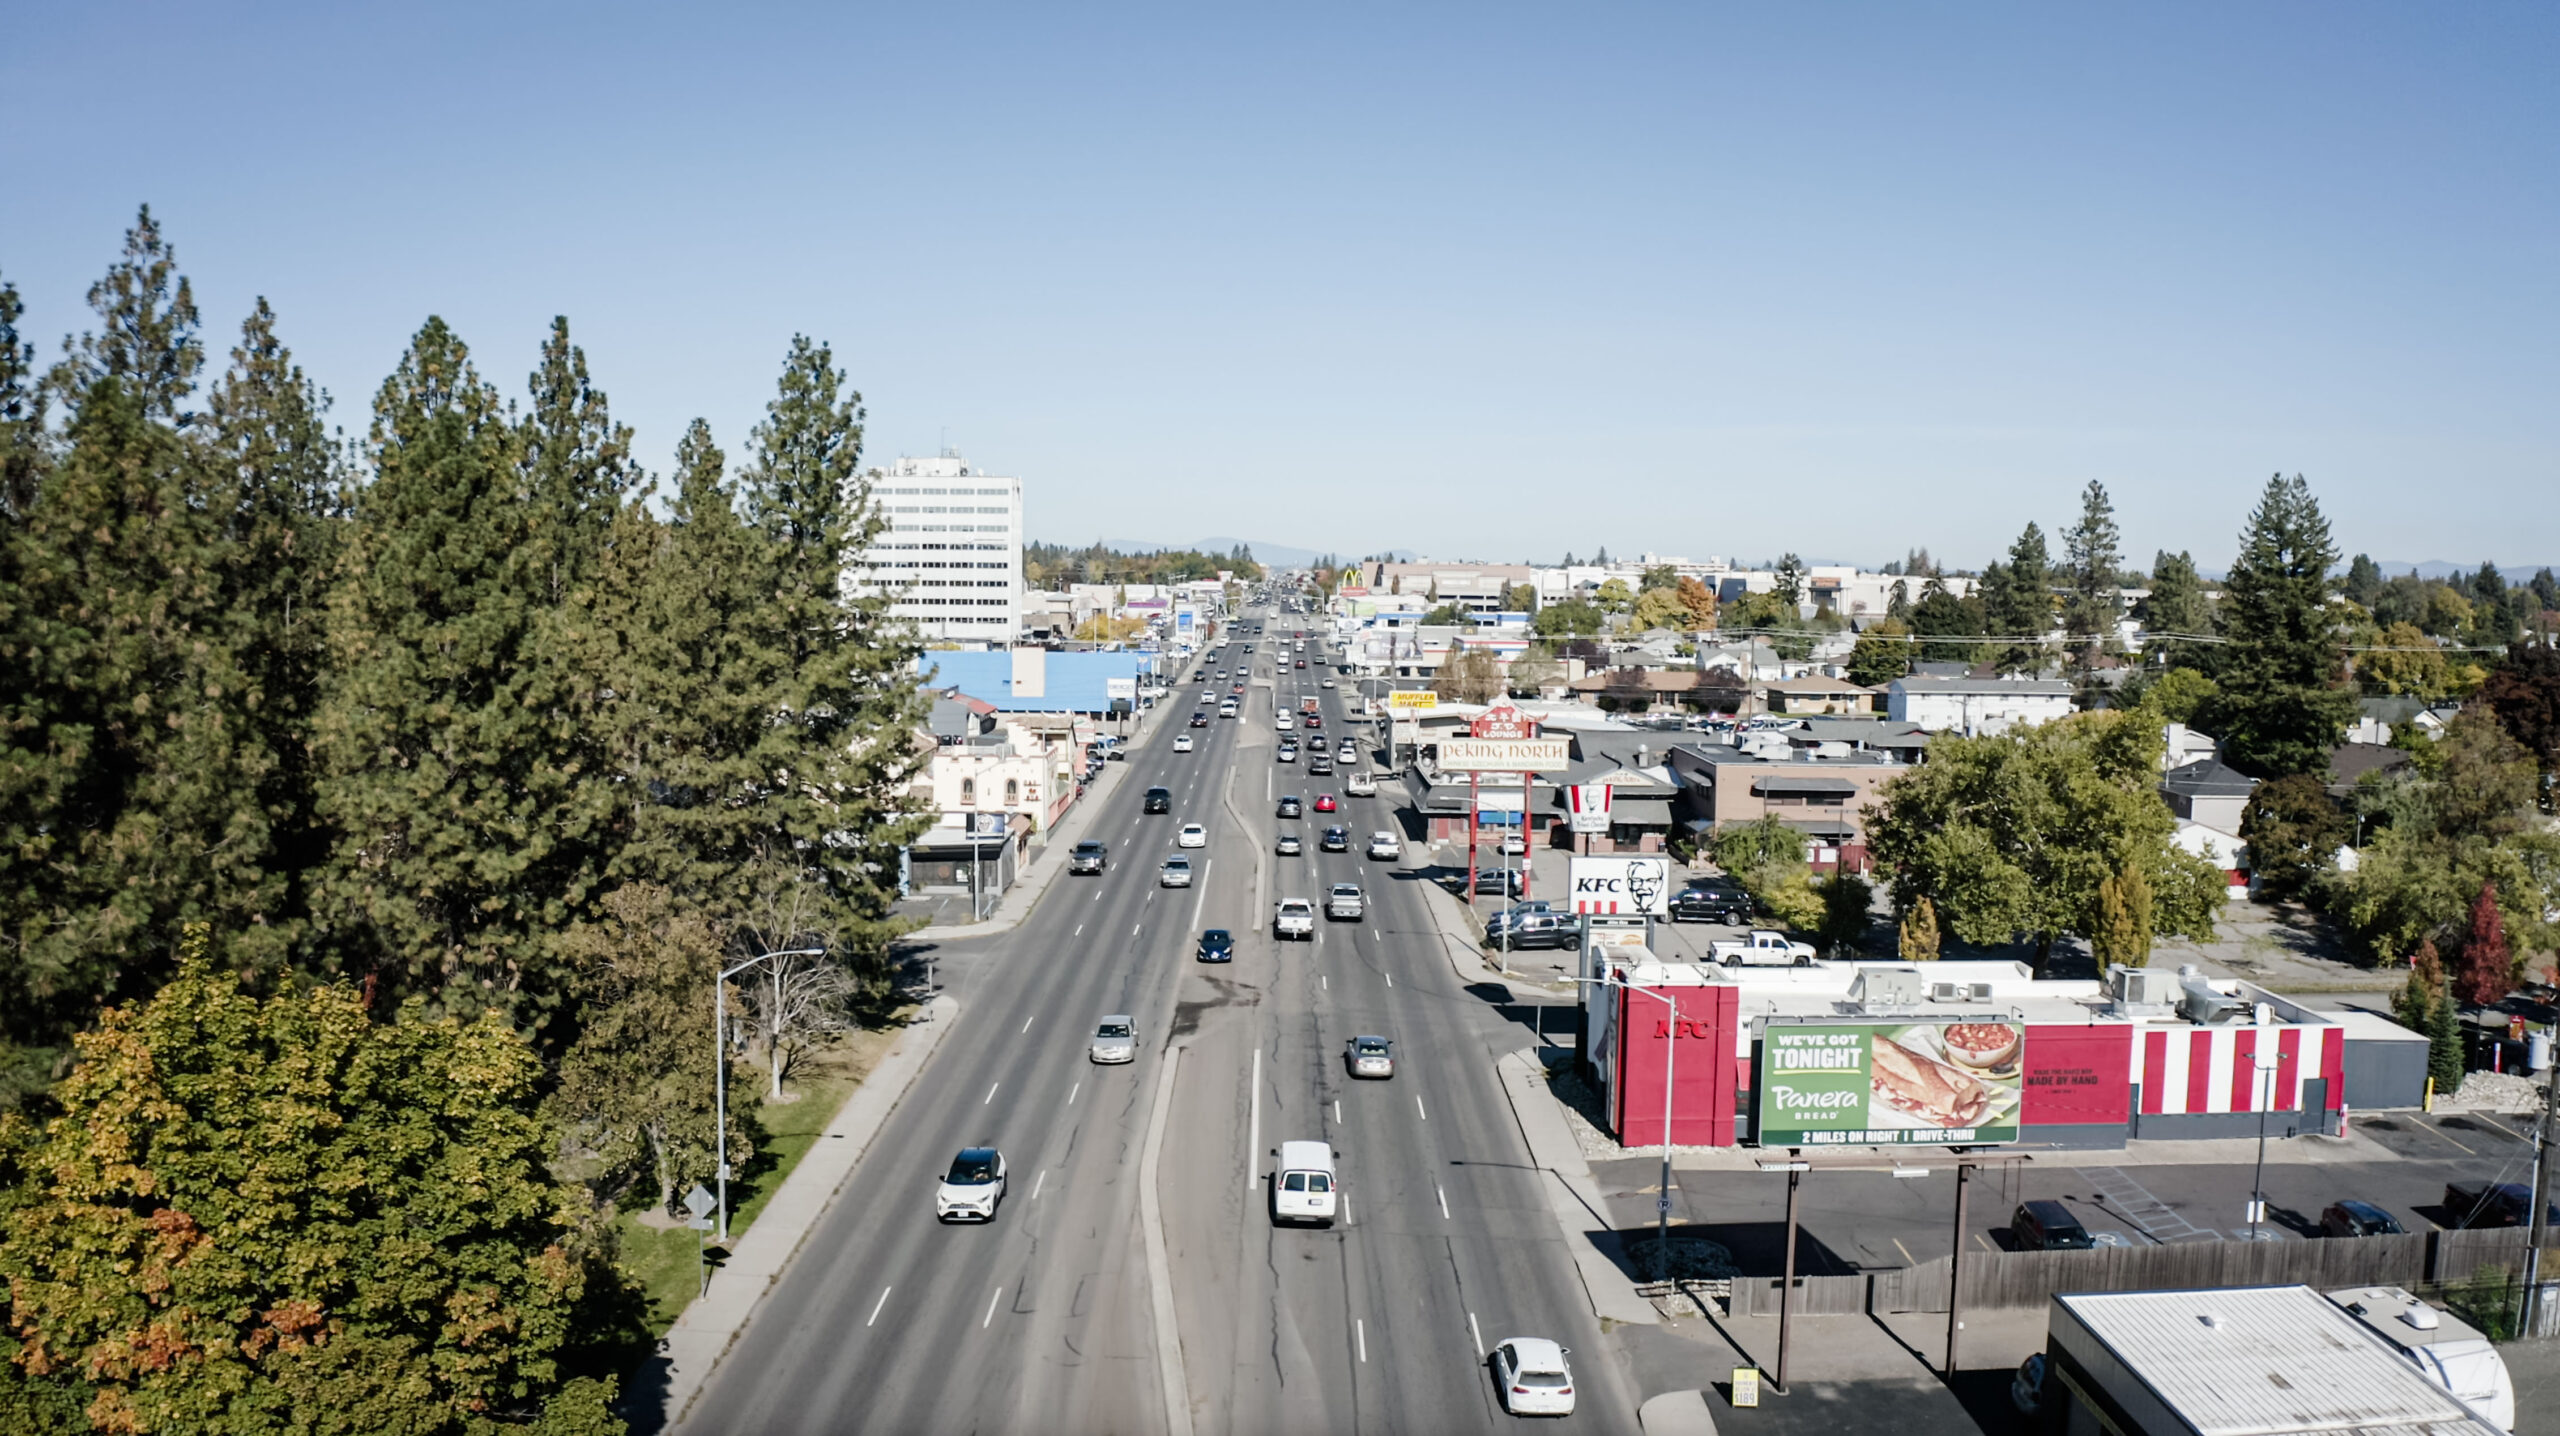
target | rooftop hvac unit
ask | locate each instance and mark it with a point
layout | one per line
(1886, 986)
(1947, 991)
(2201, 1004)
(2141, 985)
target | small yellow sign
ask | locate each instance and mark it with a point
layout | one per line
(1746, 1386)
(1423, 700)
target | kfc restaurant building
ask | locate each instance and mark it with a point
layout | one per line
(1949, 1054)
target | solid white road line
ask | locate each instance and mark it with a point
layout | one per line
(991, 1093)
(1444, 1200)
(991, 1308)
(1361, 1329)
(1417, 1106)
(1478, 1333)
(1253, 1143)
(1043, 1180)
(883, 1301)
(1071, 1093)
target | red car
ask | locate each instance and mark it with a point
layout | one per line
(1302, 663)
(1326, 804)
(1315, 720)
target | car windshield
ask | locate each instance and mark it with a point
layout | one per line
(1112, 1029)
(1089, 849)
(1216, 937)
(1172, 863)
(972, 1169)
(1345, 890)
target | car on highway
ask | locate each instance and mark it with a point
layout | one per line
(1286, 753)
(1304, 1184)
(1182, 742)
(1361, 785)
(1345, 903)
(1282, 722)
(2358, 1219)
(1290, 805)
(1384, 847)
(1294, 917)
(1115, 1039)
(1199, 719)
(1312, 718)
(1192, 836)
(1159, 800)
(1088, 857)
(1370, 1057)
(1534, 1377)
(2044, 1226)
(1288, 846)
(973, 1188)
(1328, 683)
(1327, 803)
(1302, 663)
(1715, 900)
(1175, 872)
(1318, 765)
(1348, 752)
(1217, 945)
(1336, 840)
(1227, 709)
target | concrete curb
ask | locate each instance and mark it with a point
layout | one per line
(1573, 1196)
(1177, 1384)
(691, 1351)
(1677, 1413)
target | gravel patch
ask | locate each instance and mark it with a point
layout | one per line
(2494, 1092)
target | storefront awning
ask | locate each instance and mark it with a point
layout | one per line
(1776, 787)
(1640, 812)
(1831, 828)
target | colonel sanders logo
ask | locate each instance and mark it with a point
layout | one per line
(1646, 878)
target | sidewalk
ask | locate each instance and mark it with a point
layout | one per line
(666, 1384)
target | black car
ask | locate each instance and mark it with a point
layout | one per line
(1088, 857)
(1711, 902)
(2358, 1219)
(1507, 882)
(1217, 945)
(1531, 929)
(2490, 1204)
(2048, 1227)
(1336, 840)
(1292, 806)
(1199, 719)
(1159, 800)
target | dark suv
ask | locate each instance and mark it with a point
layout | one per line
(2358, 1219)
(1711, 902)
(2048, 1227)
(1159, 800)
(2490, 1204)
(1087, 857)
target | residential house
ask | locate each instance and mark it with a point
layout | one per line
(1815, 694)
(1976, 706)
(2208, 792)
(1664, 690)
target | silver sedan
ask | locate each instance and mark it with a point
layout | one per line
(1370, 1057)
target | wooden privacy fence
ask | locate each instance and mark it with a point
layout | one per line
(2025, 1279)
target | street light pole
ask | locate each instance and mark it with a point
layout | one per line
(720, 1068)
(1670, 1053)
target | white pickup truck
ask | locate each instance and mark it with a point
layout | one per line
(1762, 948)
(1294, 917)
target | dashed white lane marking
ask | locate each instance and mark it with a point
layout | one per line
(1337, 1111)
(1043, 1180)
(991, 1093)
(1079, 932)
(883, 1301)
(1417, 1106)
(1026, 1022)
(1391, 979)
(1134, 928)
(1478, 1333)
(1360, 1328)
(1071, 1093)
(1444, 1200)
(991, 1308)
(1326, 981)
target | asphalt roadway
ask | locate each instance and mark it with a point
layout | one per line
(1042, 1320)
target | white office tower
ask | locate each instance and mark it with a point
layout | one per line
(952, 550)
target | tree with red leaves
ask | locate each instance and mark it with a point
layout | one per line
(2488, 969)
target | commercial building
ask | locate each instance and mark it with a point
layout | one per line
(1976, 706)
(951, 549)
(1826, 792)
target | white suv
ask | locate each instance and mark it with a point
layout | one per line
(973, 1188)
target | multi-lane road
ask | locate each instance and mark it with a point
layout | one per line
(1044, 1320)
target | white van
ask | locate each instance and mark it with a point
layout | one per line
(1304, 1184)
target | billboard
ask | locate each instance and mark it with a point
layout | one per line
(1505, 755)
(1638, 886)
(1590, 803)
(1948, 1082)
(1502, 721)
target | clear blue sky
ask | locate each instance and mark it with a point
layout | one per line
(1494, 282)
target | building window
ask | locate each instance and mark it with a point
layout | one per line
(1012, 792)
(968, 792)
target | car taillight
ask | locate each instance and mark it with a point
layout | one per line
(1519, 1390)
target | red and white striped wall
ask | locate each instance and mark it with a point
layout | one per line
(2215, 1069)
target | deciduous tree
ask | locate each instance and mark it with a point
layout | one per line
(2488, 967)
(2294, 831)
(2525, 694)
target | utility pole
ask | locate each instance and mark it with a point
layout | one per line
(2541, 1202)
(1955, 1269)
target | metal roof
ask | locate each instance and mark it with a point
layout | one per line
(2257, 1361)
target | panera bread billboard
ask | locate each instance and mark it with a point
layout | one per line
(1889, 1084)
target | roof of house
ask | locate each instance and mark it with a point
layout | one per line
(1864, 732)
(2349, 762)
(2015, 687)
(1656, 680)
(2208, 778)
(1816, 685)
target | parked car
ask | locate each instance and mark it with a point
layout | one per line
(1288, 846)
(1712, 900)
(1504, 882)
(1512, 845)
(973, 1188)
(1087, 857)
(1290, 805)
(1175, 872)
(1520, 929)
(1762, 948)
(1115, 1039)
(2358, 1219)
(2042, 1226)
(1534, 1377)
(2491, 1204)
(1370, 1057)
(1159, 800)
(1336, 840)
(1217, 945)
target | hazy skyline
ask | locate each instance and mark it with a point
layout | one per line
(1500, 283)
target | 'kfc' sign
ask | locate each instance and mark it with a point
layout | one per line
(1639, 885)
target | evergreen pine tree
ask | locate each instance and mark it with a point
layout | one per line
(2283, 703)
(1919, 940)
(2018, 601)
(2092, 558)
(23, 449)
(2176, 605)
(836, 755)
(2364, 581)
